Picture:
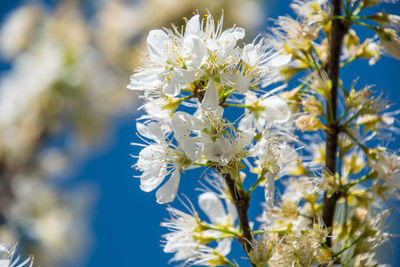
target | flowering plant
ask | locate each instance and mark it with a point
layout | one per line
(207, 105)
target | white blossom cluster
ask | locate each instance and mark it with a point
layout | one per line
(188, 80)
(189, 77)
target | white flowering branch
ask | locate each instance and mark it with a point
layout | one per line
(192, 77)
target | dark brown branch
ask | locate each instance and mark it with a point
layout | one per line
(241, 202)
(339, 29)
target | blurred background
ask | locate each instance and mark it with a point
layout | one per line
(67, 120)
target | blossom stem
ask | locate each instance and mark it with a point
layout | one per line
(259, 180)
(226, 231)
(363, 147)
(374, 28)
(339, 29)
(241, 201)
(349, 246)
(367, 177)
(348, 61)
(258, 232)
(237, 105)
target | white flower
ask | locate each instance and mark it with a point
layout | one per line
(218, 150)
(180, 240)
(392, 46)
(212, 206)
(289, 213)
(386, 165)
(232, 147)
(274, 155)
(393, 22)
(354, 162)
(176, 60)
(160, 159)
(393, 185)
(203, 51)
(276, 110)
(154, 111)
(313, 10)
(206, 130)
(293, 34)
(189, 235)
(18, 29)
(207, 256)
(261, 64)
(297, 189)
(8, 258)
(267, 112)
(274, 158)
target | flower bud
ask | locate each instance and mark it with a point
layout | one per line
(308, 123)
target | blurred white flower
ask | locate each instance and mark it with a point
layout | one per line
(9, 259)
(386, 165)
(392, 46)
(16, 32)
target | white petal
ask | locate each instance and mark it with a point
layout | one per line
(197, 51)
(230, 36)
(250, 54)
(212, 206)
(270, 191)
(392, 46)
(157, 41)
(238, 81)
(179, 79)
(151, 131)
(152, 178)
(167, 192)
(145, 80)
(276, 109)
(147, 153)
(232, 212)
(181, 123)
(224, 246)
(246, 126)
(280, 60)
(172, 88)
(216, 151)
(211, 98)
(193, 26)
(185, 76)
(189, 148)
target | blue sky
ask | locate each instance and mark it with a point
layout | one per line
(126, 221)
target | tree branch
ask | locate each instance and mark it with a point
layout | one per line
(339, 29)
(241, 202)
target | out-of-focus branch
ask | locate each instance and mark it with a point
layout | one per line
(339, 29)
